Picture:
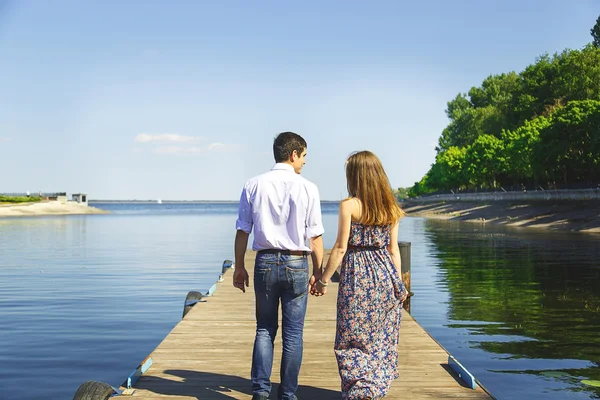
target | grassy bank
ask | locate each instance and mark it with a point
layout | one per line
(17, 200)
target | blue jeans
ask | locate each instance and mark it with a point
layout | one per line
(279, 277)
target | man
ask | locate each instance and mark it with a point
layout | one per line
(285, 210)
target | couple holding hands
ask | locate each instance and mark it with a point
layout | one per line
(284, 210)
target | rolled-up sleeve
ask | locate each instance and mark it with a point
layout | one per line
(244, 221)
(314, 221)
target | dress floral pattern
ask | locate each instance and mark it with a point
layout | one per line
(368, 314)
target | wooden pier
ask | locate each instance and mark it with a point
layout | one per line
(208, 354)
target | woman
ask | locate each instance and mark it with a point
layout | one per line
(371, 291)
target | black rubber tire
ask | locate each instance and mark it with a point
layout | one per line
(94, 390)
(190, 297)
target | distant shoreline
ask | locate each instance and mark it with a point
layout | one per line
(576, 216)
(47, 208)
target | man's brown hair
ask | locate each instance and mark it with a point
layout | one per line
(284, 145)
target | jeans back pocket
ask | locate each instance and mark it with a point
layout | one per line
(298, 280)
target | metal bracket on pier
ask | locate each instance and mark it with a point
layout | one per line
(227, 265)
(193, 302)
(139, 371)
(462, 372)
(211, 291)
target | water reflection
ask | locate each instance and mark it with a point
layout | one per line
(519, 308)
(531, 299)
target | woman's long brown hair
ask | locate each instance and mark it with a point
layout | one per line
(368, 182)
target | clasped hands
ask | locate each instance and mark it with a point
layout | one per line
(241, 280)
(316, 286)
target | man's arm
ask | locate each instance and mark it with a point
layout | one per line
(316, 247)
(241, 244)
(241, 279)
(243, 227)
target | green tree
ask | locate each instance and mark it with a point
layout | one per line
(401, 193)
(595, 32)
(420, 188)
(577, 76)
(458, 106)
(537, 88)
(484, 161)
(470, 124)
(569, 148)
(447, 172)
(519, 145)
(458, 111)
(498, 126)
(500, 92)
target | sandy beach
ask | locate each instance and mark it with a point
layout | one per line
(47, 208)
(577, 216)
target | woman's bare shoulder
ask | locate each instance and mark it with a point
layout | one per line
(350, 203)
(352, 206)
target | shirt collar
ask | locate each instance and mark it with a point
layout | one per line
(283, 166)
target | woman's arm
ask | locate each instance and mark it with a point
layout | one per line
(394, 249)
(341, 243)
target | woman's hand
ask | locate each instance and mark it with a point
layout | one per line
(404, 297)
(319, 289)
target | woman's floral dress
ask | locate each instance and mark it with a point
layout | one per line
(368, 314)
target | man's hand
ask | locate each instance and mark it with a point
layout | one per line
(317, 273)
(241, 280)
(311, 284)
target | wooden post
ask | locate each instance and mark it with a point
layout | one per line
(405, 269)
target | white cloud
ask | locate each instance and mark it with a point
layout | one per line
(166, 137)
(4, 139)
(215, 146)
(173, 144)
(175, 150)
(224, 147)
(183, 150)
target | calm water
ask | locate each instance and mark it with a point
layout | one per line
(89, 297)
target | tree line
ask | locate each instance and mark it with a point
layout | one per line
(537, 127)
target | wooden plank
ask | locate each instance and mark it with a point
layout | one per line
(208, 354)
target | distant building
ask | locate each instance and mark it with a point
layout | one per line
(80, 198)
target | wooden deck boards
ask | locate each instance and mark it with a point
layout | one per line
(208, 355)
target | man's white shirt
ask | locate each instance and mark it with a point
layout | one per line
(283, 207)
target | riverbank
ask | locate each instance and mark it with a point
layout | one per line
(47, 208)
(579, 216)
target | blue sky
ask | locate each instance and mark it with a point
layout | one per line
(181, 99)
